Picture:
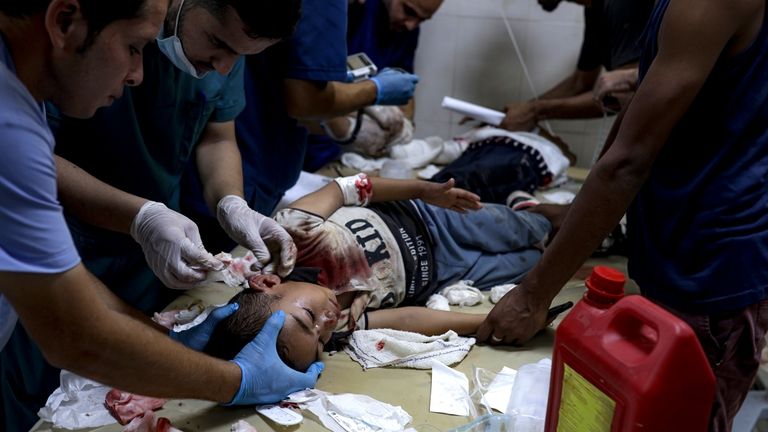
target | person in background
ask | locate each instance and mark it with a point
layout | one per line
(299, 79)
(118, 180)
(688, 162)
(388, 32)
(612, 29)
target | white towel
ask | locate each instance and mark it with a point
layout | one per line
(387, 347)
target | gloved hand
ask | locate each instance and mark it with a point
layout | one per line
(265, 378)
(172, 246)
(197, 337)
(260, 234)
(394, 87)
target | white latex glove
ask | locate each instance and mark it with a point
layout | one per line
(172, 246)
(258, 233)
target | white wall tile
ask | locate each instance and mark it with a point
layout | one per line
(514, 9)
(465, 52)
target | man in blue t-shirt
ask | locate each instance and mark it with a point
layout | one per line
(299, 79)
(387, 31)
(688, 162)
(60, 300)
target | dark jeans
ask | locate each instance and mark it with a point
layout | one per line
(732, 342)
(494, 168)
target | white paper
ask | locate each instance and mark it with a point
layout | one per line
(500, 389)
(450, 391)
(77, 404)
(352, 412)
(487, 115)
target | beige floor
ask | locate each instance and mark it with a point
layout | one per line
(408, 388)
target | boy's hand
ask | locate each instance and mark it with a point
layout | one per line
(446, 196)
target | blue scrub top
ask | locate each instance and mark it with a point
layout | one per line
(368, 31)
(142, 145)
(33, 234)
(272, 144)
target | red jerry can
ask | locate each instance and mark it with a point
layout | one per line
(626, 364)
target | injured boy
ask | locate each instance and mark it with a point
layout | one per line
(378, 244)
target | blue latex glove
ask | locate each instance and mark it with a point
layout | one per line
(394, 87)
(197, 337)
(265, 378)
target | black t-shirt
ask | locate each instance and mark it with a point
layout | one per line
(612, 29)
(415, 244)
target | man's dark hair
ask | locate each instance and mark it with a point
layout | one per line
(272, 19)
(97, 13)
(237, 330)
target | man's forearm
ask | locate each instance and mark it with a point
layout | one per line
(597, 209)
(219, 163)
(80, 334)
(575, 84)
(315, 101)
(581, 106)
(93, 201)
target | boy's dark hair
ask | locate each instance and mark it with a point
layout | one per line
(272, 19)
(237, 330)
(98, 13)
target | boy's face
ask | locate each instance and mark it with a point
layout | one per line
(311, 314)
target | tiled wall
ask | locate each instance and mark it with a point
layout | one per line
(465, 52)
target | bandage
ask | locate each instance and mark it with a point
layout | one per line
(357, 189)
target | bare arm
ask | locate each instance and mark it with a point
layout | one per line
(425, 321)
(219, 163)
(93, 201)
(318, 100)
(571, 98)
(329, 198)
(78, 332)
(685, 58)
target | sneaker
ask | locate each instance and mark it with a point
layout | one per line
(521, 200)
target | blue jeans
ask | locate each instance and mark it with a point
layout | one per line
(491, 246)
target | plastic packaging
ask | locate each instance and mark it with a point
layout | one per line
(626, 364)
(528, 402)
(486, 423)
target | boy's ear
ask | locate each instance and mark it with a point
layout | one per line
(264, 283)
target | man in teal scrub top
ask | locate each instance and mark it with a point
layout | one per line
(119, 172)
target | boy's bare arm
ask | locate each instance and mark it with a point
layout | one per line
(329, 198)
(425, 321)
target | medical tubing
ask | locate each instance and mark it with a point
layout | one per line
(522, 62)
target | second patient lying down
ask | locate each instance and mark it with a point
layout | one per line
(379, 248)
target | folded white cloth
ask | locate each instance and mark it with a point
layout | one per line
(499, 291)
(462, 293)
(77, 404)
(396, 348)
(438, 302)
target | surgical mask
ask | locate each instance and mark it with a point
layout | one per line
(171, 47)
